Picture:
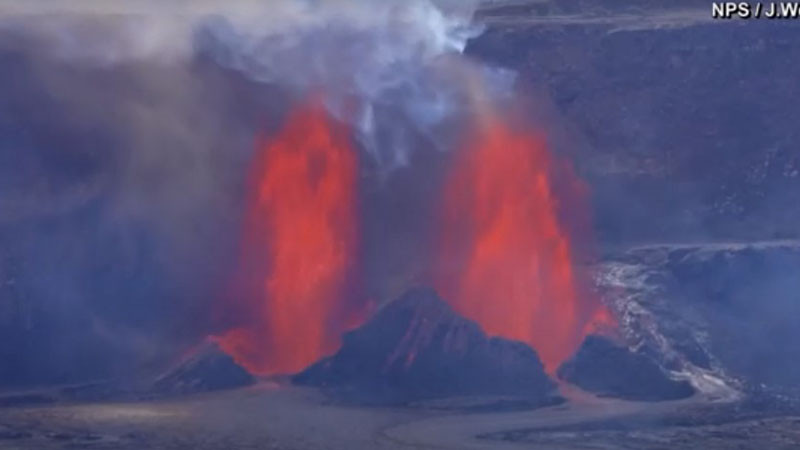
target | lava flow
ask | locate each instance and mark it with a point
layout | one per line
(507, 261)
(300, 246)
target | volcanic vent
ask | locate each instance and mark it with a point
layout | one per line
(608, 369)
(418, 347)
(205, 368)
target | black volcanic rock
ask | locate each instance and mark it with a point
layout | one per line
(604, 368)
(207, 368)
(417, 347)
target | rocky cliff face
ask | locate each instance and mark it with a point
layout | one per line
(724, 315)
(683, 126)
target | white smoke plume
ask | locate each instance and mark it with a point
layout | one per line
(390, 68)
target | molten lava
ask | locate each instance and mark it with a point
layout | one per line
(507, 261)
(300, 246)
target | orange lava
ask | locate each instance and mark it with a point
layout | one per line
(507, 261)
(300, 246)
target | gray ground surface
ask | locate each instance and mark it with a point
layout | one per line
(272, 417)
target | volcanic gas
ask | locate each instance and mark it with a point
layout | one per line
(507, 260)
(299, 247)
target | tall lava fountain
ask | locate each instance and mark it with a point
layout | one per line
(395, 79)
(300, 246)
(397, 88)
(507, 261)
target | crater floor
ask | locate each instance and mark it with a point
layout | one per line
(269, 416)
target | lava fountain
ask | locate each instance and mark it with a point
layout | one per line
(300, 247)
(507, 260)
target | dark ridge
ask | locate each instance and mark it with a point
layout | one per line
(417, 347)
